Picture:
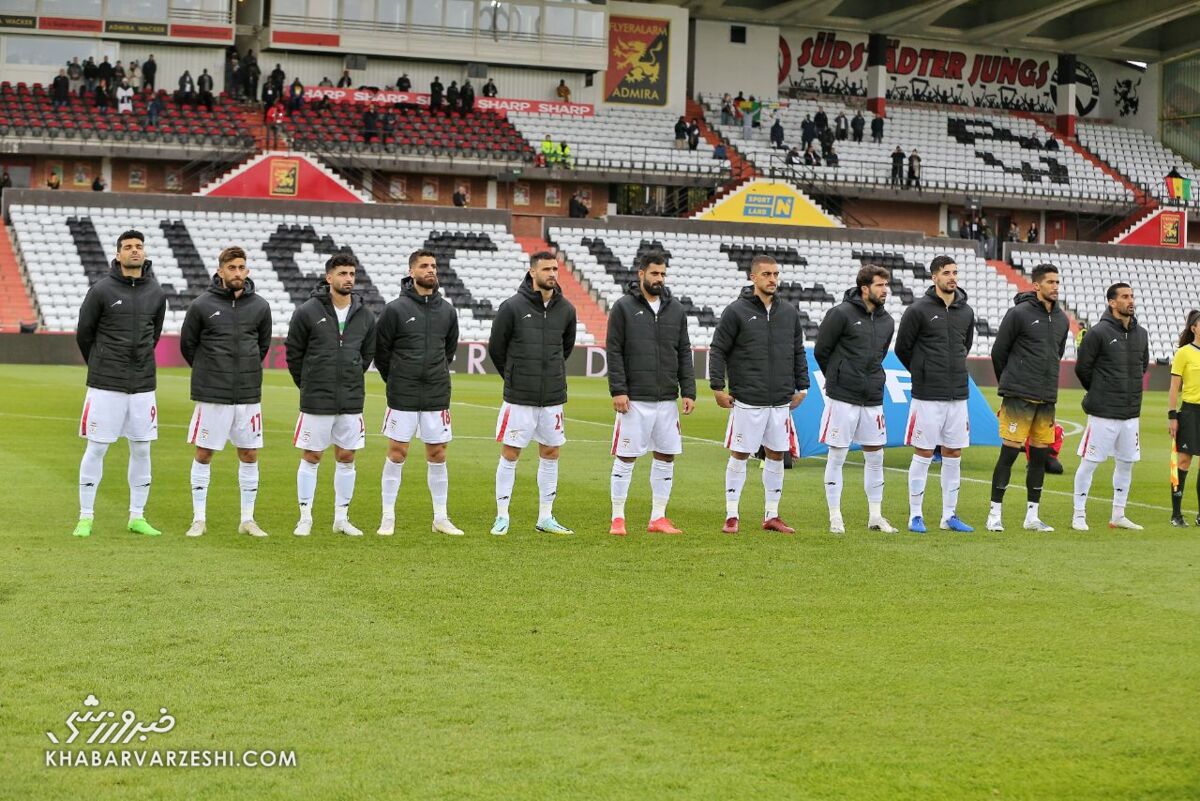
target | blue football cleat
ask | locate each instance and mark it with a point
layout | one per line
(552, 526)
(952, 523)
(917, 525)
(500, 527)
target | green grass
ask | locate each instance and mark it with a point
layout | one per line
(1012, 666)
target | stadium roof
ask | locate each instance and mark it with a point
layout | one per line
(1148, 30)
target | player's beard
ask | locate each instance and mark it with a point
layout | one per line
(653, 289)
(342, 289)
(550, 286)
(430, 282)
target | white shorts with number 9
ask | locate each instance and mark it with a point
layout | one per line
(517, 425)
(108, 416)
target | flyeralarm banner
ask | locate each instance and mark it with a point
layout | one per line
(639, 55)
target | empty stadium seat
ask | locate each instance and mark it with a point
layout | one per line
(1135, 154)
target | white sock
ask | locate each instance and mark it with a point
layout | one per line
(833, 480)
(735, 479)
(390, 485)
(1031, 511)
(139, 478)
(1083, 483)
(201, 474)
(437, 477)
(918, 475)
(662, 476)
(91, 471)
(772, 480)
(506, 474)
(873, 481)
(618, 487)
(995, 509)
(306, 487)
(343, 489)
(248, 487)
(547, 481)
(951, 481)
(1122, 478)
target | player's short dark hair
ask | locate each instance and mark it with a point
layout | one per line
(759, 260)
(651, 257)
(938, 263)
(541, 255)
(1111, 294)
(1042, 270)
(420, 254)
(131, 234)
(229, 254)
(868, 274)
(342, 259)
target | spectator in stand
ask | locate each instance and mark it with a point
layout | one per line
(489, 89)
(269, 98)
(747, 108)
(727, 109)
(345, 82)
(326, 83)
(370, 123)
(452, 96)
(233, 74)
(187, 89)
(681, 131)
(841, 126)
(811, 157)
(75, 76)
(90, 75)
(914, 170)
(755, 112)
(403, 84)
(5, 182)
(103, 96)
(388, 122)
(460, 196)
(204, 84)
(877, 130)
(466, 97)
(831, 158)
(295, 97)
(563, 92)
(821, 120)
(251, 75)
(857, 125)
(1052, 143)
(777, 134)
(693, 135)
(118, 74)
(149, 72)
(808, 131)
(134, 76)
(60, 90)
(53, 182)
(277, 77)
(435, 93)
(576, 208)
(125, 98)
(98, 184)
(104, 72)
(897, 166)
(1031, 236)
(719, 151)
(793, 157)
(826, 139)
(275, 114)
(1014, 231)
(563, 154)
(154, 110)
(548, 151)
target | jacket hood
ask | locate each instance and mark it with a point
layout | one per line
(1029, 297)
(408, 288)
(323, 293)
(528, 291)
(147, 272)
(218, 288)
(854, 296)
(633, 288)
(960, 295)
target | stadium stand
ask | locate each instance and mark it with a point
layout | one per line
(1135, 154)
(27, 111)
(707, 271)
(961, 151)
(65, 248)
(619, 139)
(1165, 288)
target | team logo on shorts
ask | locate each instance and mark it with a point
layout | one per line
(92, 427)
(305, 437)
(833, 433)
(1012, 427)
(204, 433)
(625, 442)
(737, 438)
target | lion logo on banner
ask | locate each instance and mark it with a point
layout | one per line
(640, 59)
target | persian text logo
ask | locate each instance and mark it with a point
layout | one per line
(109, 728)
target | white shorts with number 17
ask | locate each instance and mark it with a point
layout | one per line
(214, 424)
(844, 423)
(770, 427)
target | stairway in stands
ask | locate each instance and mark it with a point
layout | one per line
(587, 310)
(251, 117)
(16, 306)
(742, 169)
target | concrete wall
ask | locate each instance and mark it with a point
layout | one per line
(719, 66)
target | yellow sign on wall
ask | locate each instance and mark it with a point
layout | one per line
(776, 203)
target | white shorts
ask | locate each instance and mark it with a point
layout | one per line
(1105, 437)
(214, 424)
(647, 426)
(432, 427)
(517, 425)
(315, 432)
(934, 423)
(767, 426)
(844, 423)
(108, 416)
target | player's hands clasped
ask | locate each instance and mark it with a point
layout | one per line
(797, 399)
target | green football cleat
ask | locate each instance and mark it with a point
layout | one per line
(552, 526)
(83, 528)
(140, 526)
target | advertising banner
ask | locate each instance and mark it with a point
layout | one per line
(639, 55)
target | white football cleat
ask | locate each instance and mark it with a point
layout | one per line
(1037, 525)
(444, 526)
(303, 528)
(251, 528)
(836, 525)
(1079, 523)
(994, 523)
(196, 529)
(347, 528)
(387, 527)
(880, 524)
(1124, 522)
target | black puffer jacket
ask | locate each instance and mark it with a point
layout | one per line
(225, 339)
(851, 344)
(1110, 365)
(120, 322)
(933, 343)
(762, 353)
(1028, 348)
(328, 365)
(414, 346)
(529, 345)
(649, 355)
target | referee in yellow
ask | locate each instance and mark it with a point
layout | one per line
(1184, 423)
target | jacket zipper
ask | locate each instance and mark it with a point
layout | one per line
(133, 337)
(770, 354)
(236, 356)
(425, 349)
(542, 389)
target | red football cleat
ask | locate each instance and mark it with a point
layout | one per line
(617, 527)
(731, 526)
(775, 524)
(662, 525)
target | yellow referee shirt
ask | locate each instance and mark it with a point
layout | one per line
(1186, 365)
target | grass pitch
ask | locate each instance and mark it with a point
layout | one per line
(1011, 665)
